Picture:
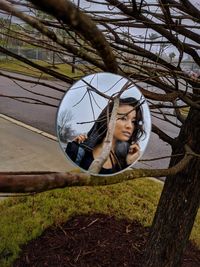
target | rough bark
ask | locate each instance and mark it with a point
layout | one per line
(178, 204)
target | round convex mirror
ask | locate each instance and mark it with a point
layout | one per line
(89, 129)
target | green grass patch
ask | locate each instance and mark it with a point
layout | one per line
(25, 218)
(20, 67)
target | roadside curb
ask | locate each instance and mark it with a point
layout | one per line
(31, 128)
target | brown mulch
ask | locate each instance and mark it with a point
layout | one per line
(93, 241)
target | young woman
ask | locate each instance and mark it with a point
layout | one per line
(125, 149)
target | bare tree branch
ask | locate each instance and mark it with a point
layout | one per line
(68, 13)
(163, 136)
(37, 66)
(97, 164)
(24, 183)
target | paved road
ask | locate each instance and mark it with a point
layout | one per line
(39, 116)
(25, 149)
(43, 117)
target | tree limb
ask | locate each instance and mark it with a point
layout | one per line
(163, 136)
(24, 183)
(49, 33)
(68, 13)
(97, 164)
(37, 66)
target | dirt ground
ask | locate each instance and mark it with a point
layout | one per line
(93, 241)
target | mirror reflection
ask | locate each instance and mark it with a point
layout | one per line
(103, 123)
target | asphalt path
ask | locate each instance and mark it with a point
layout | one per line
(24, 148)
(43, 117)
(38, 115)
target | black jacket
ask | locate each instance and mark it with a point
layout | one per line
(84, 157)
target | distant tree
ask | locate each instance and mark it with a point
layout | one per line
(171, 56)
(152, 37)
(65, 131)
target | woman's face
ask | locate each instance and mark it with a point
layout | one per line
(125, 124)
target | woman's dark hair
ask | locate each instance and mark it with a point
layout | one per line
(98, 132)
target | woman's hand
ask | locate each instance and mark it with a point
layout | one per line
(80, 138)
(133, 154)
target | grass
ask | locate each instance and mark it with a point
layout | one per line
(25, 218)
(20, 67)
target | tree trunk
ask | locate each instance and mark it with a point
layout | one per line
(178, 205)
